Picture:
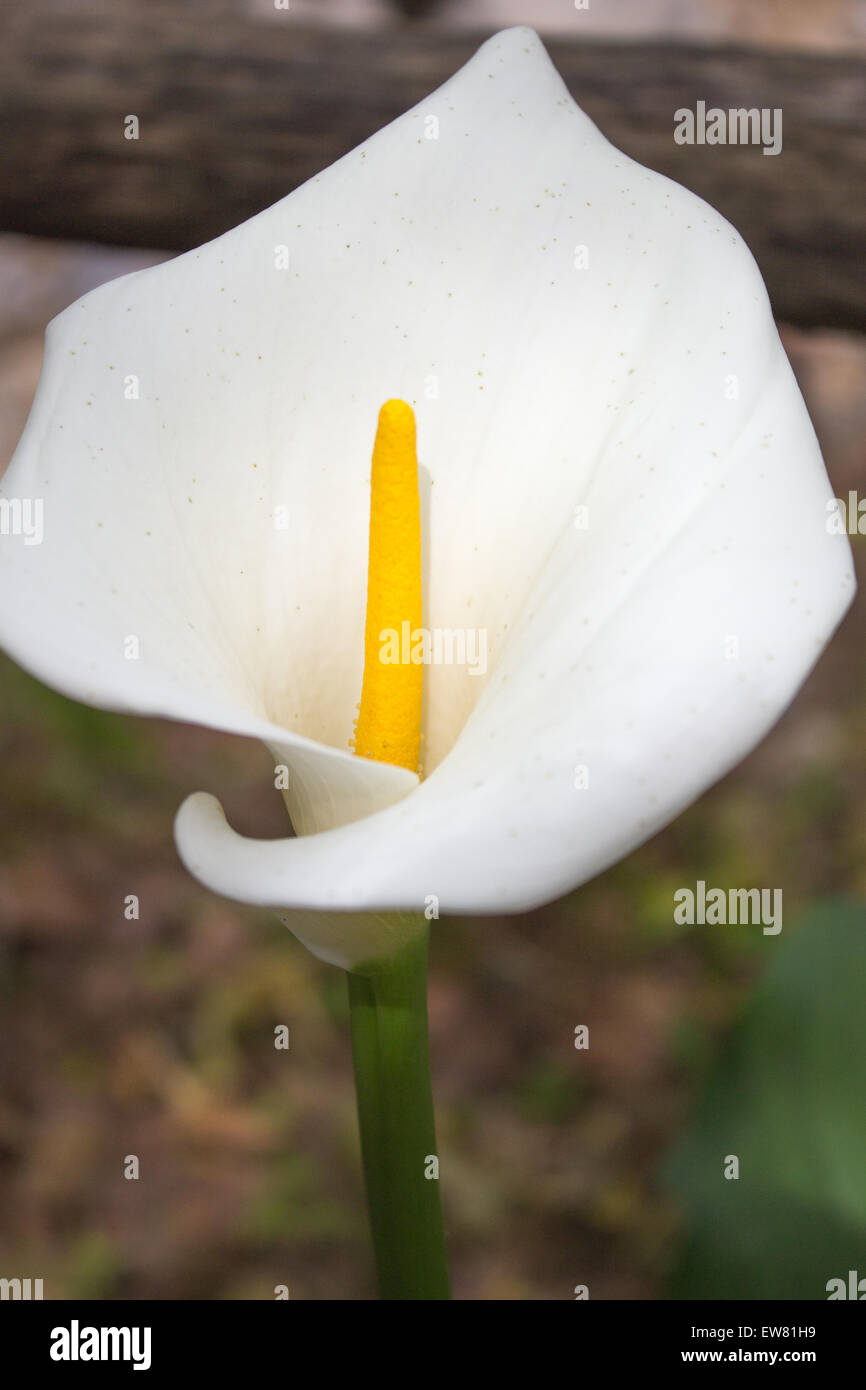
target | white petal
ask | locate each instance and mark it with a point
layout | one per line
(447, 271)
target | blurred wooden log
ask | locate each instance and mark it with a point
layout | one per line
(234, 112)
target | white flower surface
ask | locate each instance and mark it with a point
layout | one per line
(621, 488)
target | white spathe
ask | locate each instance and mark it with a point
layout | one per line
(620, 485)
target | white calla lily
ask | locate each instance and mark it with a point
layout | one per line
(573, 332)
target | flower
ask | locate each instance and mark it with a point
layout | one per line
(621, 489)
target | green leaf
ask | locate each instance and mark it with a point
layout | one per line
(788, 1099)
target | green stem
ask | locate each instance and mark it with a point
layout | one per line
(388, 1004)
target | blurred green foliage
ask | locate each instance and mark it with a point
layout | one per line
(787, 1098)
